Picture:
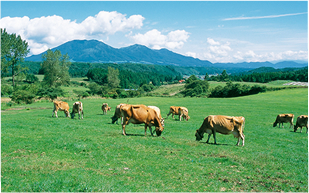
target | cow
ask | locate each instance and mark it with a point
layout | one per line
(117, 114)
(181, 111)
(301, 121)
(77, 108)
(284, 118)
(105, 108)
(158, 111)
(139, 114)
(61, 106)
(222, 124)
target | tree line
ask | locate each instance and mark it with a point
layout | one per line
(300, 75)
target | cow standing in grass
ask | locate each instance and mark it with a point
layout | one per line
(222, 124)
(139, 114)
(105, 108)
(284, 118)
(181, 111)
(302, 121)
(77, 108)
(61, 106)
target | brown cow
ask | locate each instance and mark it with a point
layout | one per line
(301, 121)
(77, 108)
(105, 108)
(61, 106)
(284, 118)
(222, 124)
(117, 114)
(138, 114)
(181, 111)
(158, 111)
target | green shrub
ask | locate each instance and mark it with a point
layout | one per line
(51, 93)
(22, 96)
(6, 90)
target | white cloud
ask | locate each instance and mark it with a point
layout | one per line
(212, 42)
(51, 31)
(224, 51)
(156, 40)
(192, 54)
(263, 17)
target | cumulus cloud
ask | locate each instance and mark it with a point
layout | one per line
(156, 40)
(223, 51)
(52, 31)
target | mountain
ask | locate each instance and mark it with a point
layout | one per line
(93, 51)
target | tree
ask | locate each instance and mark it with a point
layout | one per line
(224, 76)
(113, 77)
(56, 68)
(13, 52)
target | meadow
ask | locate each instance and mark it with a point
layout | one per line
(47, 154)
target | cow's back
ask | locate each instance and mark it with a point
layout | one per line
(225, 124)
(302, 120)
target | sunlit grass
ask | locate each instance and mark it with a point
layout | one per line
(41, 153)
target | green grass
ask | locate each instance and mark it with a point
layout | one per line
(41, 153)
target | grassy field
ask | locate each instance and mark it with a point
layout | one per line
(42, 153)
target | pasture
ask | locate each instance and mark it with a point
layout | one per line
(43, 153)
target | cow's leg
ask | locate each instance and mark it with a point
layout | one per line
(307, 128)
(301, 128)
(82, 114)
(56, 113)
(208, 138)
(214, 134)
(68, 113)
(123, 130)
(168, 114)
(180, 116)
(291, 124)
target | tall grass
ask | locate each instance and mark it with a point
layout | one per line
(41, 153)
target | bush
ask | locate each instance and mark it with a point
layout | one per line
(51, 93)
(195, 87)
(236, 90)
(22, 96)
(6, 90)
(31, 78)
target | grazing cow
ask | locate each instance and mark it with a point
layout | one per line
(138, 114)
(181, 111)
(77, 108)
(284, 118)
(117, 114)
(61, 106)
(222, 124)
(301, 121)
(158, 111)
(105, 108)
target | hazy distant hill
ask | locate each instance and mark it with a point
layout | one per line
(93, 51)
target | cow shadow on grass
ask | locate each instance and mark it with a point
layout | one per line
(218, 144)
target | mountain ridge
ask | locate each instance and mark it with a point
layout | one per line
(94, 51)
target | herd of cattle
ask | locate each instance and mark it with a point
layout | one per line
(151, 116)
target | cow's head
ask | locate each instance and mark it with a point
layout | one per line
(186, 116)
(198, 136)
(159, 130)
(114, 119)
(295, 128)
(275, 124)
(72, 115)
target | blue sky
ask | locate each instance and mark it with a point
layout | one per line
(229, 31)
